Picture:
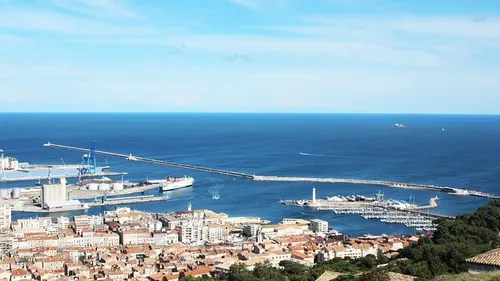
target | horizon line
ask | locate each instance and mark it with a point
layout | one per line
(241, 113)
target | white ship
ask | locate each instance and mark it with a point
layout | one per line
(399, 125)
(176, 183)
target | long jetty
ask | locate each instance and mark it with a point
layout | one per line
(153, 161)
(450, 190)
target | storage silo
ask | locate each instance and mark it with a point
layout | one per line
(16, 193)
(4, 193)
(118, 186)
(104, 186)
(93, 186)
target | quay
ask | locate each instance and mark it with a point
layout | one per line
(377, 205)
(40, 178)
(27, 206)
(128, 200)
(130, 157)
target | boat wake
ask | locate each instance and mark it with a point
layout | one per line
(314, 154)
(325, 155)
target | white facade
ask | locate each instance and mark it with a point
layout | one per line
(9, 163)
(213, 234)
(190, 233)
(319, 226)
(33, 223)
(5, 216)
(133, 236)
(105, 239)
(154, 225)
(165, 238)
(53, 193)
(250, 230)
(63, 222)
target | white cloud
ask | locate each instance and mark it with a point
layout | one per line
(252, 88)
(110, 9)
(58, 23)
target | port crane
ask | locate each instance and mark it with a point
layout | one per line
(89, 161)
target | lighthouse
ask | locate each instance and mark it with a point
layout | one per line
(314, 195)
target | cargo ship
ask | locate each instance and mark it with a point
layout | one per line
(176, 183)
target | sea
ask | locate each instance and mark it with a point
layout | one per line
(447, 150)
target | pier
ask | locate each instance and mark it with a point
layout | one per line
(130, 157)
(154, 161)
(40, 178)
(128, 200)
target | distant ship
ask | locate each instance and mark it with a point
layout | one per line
(399, 125)
(176, 183)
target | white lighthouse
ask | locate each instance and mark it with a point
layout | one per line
(314, 195)
(189, 207)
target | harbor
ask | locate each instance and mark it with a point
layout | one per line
(387, 211)
(130, 157)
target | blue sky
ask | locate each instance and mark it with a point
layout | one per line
(366, 56)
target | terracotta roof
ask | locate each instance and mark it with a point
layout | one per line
(19, 272)
(198, 272)
(489, 258)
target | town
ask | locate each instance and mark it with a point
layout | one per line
(125, 244)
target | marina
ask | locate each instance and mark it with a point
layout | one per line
(130, 157)
(387, 211)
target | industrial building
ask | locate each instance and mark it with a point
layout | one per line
(5, 216)
(54, 192)
(54, 197)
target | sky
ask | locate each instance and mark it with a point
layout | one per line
(325, 56)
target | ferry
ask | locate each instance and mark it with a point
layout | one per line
(176, 183)
(399, 125)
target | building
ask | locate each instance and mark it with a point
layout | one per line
(319, 226)
(20, 274)
(54, 192)
(63, 222)
(5, 216)
(165, 238)
(250, 230)
(135, 236)
(485, 262)
(32, 223)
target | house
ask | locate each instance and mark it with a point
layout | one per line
(485, 262)
(163, 276)
(20, 274)
(198, 272)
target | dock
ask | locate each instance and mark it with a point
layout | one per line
(35, 208)
(130, 157)
(43, 178)
(128, 200)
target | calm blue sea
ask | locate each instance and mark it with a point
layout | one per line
(464, 154)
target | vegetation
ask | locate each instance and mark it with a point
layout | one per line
(443, 253)
(453, 242)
